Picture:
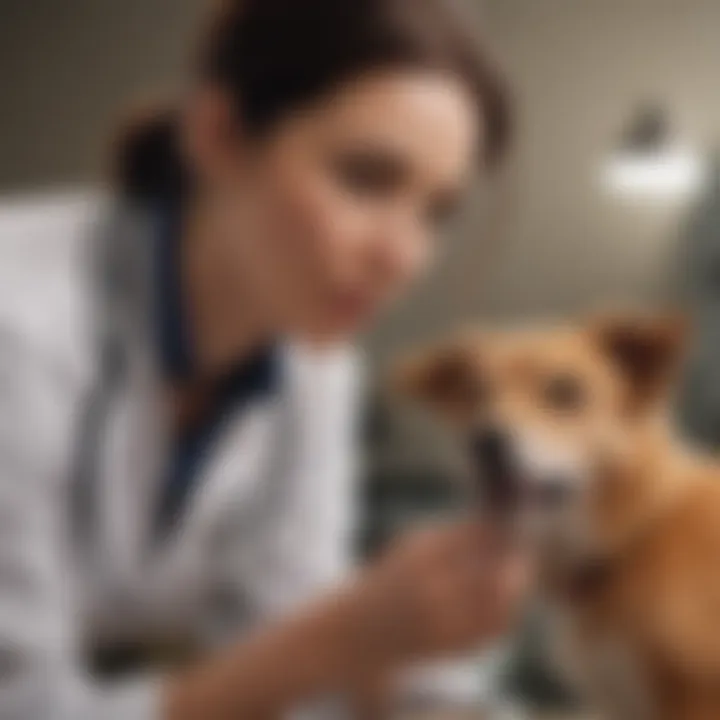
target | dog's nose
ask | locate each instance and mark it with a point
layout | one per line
(491, 447)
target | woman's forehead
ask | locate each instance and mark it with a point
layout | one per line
(424, 115)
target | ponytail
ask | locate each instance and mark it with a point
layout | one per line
(147, 159)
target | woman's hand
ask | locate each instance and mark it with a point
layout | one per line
(439, 591)
(436, 592)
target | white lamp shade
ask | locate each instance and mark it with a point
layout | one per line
(671, 173)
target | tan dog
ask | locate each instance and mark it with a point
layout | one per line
(569, 431)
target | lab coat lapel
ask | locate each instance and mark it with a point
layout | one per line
(134, 458)
(236, 474)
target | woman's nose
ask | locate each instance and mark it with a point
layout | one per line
(402, 254)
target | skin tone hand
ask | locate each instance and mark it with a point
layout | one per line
(442, 590)
(435, 593)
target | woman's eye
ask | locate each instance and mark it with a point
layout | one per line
(369, 174)
(564, 393)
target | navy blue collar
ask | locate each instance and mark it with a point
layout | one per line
(252, 378)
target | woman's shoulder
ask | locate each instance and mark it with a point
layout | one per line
(45, 240)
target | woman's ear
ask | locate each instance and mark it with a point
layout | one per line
(209, 133)
(646, 351)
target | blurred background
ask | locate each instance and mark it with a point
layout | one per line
(612, 196)
(583, 73)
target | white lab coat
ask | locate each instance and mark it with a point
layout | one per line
(269, 528)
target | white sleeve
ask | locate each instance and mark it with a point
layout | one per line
(294, 538)
(304, 544)
(41, 672)
(310, 544)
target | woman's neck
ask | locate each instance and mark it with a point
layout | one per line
(225, 321)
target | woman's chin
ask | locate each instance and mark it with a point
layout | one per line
(334, 331)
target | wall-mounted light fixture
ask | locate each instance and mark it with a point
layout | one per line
(649, 163)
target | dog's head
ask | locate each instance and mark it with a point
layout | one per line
(557, 421)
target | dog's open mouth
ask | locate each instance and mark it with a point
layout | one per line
(503, 486)
(501, 493)
(512, 492)
(500, 485)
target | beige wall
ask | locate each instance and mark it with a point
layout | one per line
(553, 242)
(580, 68)
(67, 68)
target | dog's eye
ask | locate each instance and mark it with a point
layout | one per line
(565, 393)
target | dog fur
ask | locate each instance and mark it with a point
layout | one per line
(628, 553)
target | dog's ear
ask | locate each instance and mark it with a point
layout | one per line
(647, 351)
(444, 377)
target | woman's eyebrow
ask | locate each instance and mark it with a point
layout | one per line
(378, 159)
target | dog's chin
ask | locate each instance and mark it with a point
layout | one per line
(561, 549)
(525, 492)
(543, 513)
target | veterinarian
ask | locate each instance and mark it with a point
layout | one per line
(178, 391)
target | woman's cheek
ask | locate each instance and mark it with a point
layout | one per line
(326, 228)
(301, 253)
(423, 260)
(322, 237)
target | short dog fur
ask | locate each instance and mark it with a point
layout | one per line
(569, 431)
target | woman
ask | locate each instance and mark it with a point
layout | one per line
(177, 434)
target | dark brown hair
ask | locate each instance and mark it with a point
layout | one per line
(275, 56)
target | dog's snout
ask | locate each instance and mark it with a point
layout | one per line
(553, 493)
(492, 449)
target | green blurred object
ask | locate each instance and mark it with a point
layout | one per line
(531, 676)
(699, 398)
(410, 476)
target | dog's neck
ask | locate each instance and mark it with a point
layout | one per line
(653, 477)
(647, 482)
